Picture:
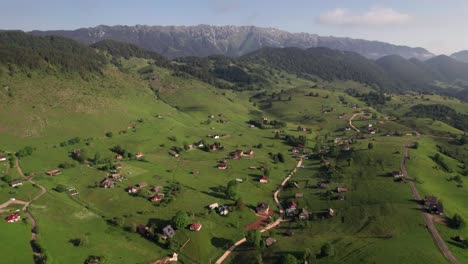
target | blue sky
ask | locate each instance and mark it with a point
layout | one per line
(439, 26)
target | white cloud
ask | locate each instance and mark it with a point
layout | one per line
(375, 16)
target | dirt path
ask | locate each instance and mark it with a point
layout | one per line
(26, 204)
(438, 240)
(351, 122)
(270, 226)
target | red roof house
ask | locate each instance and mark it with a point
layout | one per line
(118, 156)
(13, 218)
(264, 179)
(139, 155)
(3, 158)
(222, 166)
(195, 226)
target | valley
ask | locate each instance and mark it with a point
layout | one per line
(112, 151)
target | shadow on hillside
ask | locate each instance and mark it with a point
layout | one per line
(221, 242)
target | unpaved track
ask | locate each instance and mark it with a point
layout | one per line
(270, 226)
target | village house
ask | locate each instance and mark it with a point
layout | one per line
(107, 183)
(223, 210)
(135, 188)
(54, 172)
(195, 226)
(118, 166)
(222, 166)
(303, 214)
(249, 152)
(346, 148)
(262, 208)
(174, 154)
(118, 156)
(340, 197)
(168, 232)
(195, 172)
(299, 195)
(13, 218)
(116, 176)
(237, 154)
(157, 198)
(322, 185)
(263, 179)
(139, 155)
(398, 174)
(433, 205)
(341, 189)
(3, 158)
(330, 212)
(213, 206)
(156, 189)
(16, 183)
(263, 168)
(295, 150)
(142, 229)
(270, 241)
(213, 147)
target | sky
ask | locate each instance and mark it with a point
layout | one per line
(437, 25)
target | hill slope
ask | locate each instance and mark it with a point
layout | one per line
(205, 40)
(461, 56)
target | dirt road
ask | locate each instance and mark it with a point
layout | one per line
(438, 240)
(270, 226)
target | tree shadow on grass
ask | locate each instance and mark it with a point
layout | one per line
(221, 242)
(215, 195)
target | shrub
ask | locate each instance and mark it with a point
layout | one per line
(327, 250)
(456, 222)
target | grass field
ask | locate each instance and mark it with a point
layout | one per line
(378, 222)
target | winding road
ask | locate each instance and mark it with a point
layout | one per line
(438, 240)
(270, 226)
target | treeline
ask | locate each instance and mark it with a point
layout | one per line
(441, 113)
(326, 63)
(119, 49)
(21, 53)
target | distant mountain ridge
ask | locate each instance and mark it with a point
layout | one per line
(461, 56)
(205, 40)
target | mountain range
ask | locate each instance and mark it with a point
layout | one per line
(205, 40)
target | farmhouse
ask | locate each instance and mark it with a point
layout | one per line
(139, 155)
(156, 189)
(107, 183)
(118, 166)
(16, 183)
(341, 189)
(158, 197)
(174, 154)
(116, 176)
(237, 154)
(249, 152)
(223, 210)
(303, 215)
(398, 174)
(195, 226)
(53, 172)
(3, 158)
(213, 206)
(13, 218)
(213, 147)
(118, 156)
(262, 208)
(168, 232)
(263, 179)
(222, 166)
(433, 205)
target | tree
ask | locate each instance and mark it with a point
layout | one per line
(181, 220)
(327, 250)
(280, 157)
(370, 145)
(416, 145)
(240, 204)
(457, 222)
(109, 134)
(288, 259)
(61, 188)
(232, 190)
(350, 161)
(254, 237)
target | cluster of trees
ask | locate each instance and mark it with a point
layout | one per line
(71, 141)
(266, 124)
(24, 152)
(23, 52)
(439, 159)
(295, 141)
(279, 157)
(441, 113)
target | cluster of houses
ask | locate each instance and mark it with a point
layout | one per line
(433, 205)
(112, 178)
(237, 154)
(135, 188)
